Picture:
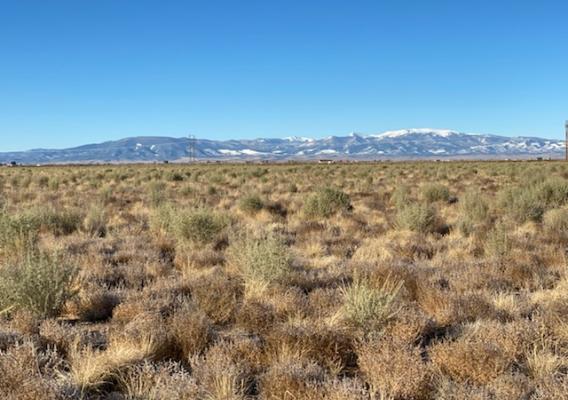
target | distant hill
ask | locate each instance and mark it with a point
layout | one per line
(403, 144)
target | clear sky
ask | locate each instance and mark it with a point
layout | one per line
(81, 71)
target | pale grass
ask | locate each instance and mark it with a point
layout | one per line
(90, 369)
(543, 362)
(256, 290)
(225, 387)
(368, 308)
(507, 302)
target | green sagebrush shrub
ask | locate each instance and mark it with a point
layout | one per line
(40, 284)
(251, 204)
(18, 233)
(474, 212)
(326, 202)
(369, 308)
(530, 202)
(197, 225)
(417, 217)
(263, 259)
(555, 224)
(435, 192)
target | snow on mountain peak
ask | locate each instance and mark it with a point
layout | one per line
(421, 131)
(298, 139)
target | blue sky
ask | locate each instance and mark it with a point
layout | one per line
(75, 72)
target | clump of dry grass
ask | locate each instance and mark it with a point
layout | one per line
(90, 370)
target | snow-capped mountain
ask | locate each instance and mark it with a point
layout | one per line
(407, 143)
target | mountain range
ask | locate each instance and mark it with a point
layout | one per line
(401, 144)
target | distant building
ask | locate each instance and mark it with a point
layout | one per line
(325, 161)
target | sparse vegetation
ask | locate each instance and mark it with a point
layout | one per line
(398, 281)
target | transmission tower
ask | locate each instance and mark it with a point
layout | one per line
(191, 149)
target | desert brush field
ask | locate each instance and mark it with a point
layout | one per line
(384, 281)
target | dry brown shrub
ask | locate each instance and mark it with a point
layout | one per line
(56, 334)
(93, 304)
(446, 389)
(344, 389)
(323, 302)
(396, 247)
(472, 307)
(218, 376)
(394, 369)
(127, 311)
(157, 381)
(218, 295)
(411, 325)
(256, 317)
(289, 303)
(25, 322)
(163, 298)
(511, 386)
(468, 361)
(191, 330)
(483, 352)
(436, 303)
(377, 274)
(552, 388)
(8, 339)
(450, 308)
(189, 258)
(291, 379)
(331, 348)
(26, 373)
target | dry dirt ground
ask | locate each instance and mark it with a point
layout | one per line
(349, 281)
